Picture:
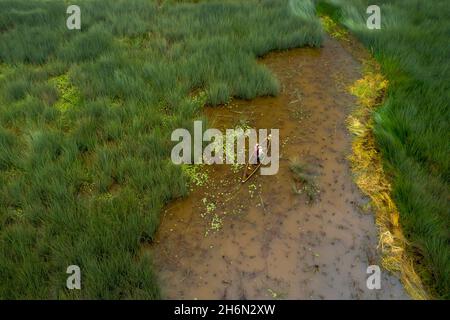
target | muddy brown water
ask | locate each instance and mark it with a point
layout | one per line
(261, 240)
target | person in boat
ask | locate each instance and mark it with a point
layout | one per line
(259, 151)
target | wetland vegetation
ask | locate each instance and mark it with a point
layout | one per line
(86, 117)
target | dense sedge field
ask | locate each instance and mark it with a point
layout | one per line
(412, 126)
(85, 124)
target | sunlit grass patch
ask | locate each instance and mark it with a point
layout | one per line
(69, 96)
(334, 29)
(369, 89)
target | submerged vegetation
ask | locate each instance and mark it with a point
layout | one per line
(85, 123)
(410, 128)
(304, 180)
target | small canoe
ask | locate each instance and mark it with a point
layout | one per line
(251, 169)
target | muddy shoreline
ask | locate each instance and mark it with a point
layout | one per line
(261, 240)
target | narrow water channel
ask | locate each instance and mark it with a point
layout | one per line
(262, 240)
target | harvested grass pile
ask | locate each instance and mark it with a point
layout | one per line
(371, 179)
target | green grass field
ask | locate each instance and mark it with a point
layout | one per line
(85, 124)
(412, 126)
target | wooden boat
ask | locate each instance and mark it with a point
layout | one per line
(251, 169)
